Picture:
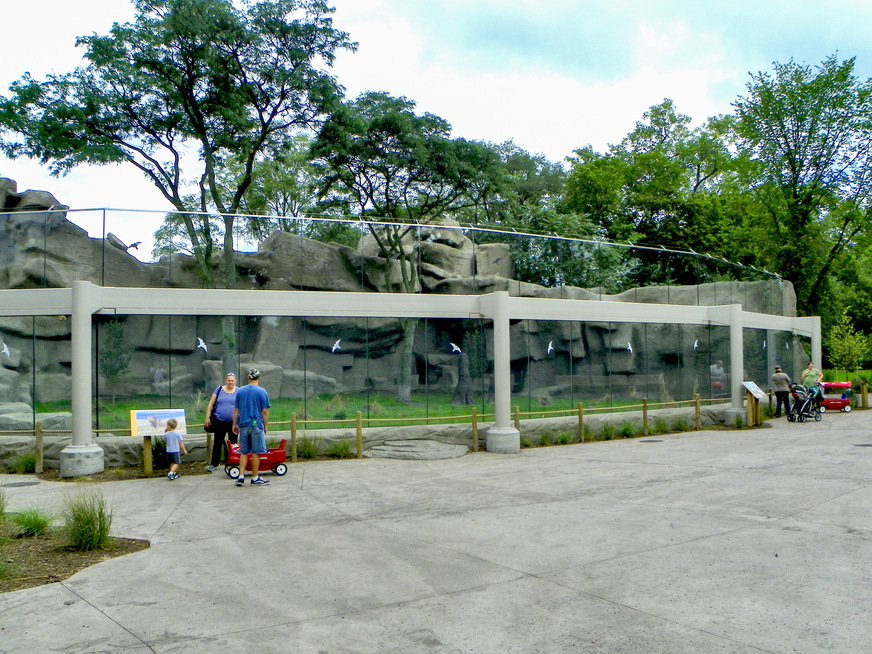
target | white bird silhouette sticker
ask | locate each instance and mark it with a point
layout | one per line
(550, 347)
(764, 345)
(5, 350)
(336, 345)
(696, 344)
(787, 346)
(201, 344)
(629, 347)
(454, 349)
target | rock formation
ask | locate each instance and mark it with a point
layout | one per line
(295, 355)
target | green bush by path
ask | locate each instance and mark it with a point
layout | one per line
(88, 520)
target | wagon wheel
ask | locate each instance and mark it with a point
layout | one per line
(228, 468)
(280, 469)
(233, 472)
(847, 408)
(823, 409)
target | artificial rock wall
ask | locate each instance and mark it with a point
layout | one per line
(295, 355)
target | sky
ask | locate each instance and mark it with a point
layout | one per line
(551, 76)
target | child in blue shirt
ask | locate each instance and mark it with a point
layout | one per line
(174, 442)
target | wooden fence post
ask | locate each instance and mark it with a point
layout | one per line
(147, 467)
(474, 429)
(580, 422)
(864, 393)
(359, 434)
(697, 414)
(38, 435)
(518, 418)
(645, 416)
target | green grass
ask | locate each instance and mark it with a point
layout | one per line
(628, 430)
(24, 464)
(32, 521)
(4, 504)
(87, 520)
(340, 449)
(608, 432)
(307, 447)
(660, 426)
(564, 438)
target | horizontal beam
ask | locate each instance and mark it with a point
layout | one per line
(235, 302)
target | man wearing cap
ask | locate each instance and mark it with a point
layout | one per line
(250, 418)
(781, 386)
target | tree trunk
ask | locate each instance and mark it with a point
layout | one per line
(404, 388)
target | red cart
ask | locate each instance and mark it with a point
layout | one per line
(274, 460)
(837, 396)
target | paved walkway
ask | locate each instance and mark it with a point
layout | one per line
(715, 542)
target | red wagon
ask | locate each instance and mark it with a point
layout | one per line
(274, 460)
(837, 396)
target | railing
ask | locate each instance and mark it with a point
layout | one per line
(473, 418)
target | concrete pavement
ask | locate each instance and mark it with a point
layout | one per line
(714, 541)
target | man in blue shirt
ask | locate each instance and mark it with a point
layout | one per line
(250, 418)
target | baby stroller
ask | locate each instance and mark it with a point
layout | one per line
(806, 403)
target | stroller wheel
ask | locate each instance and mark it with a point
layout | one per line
(791, 417)
(817, 416)
(802, 417)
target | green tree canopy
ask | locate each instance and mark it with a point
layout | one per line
(186, 88)
(808, 130)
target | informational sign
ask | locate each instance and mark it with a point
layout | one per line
(754, 390)
(153, 422)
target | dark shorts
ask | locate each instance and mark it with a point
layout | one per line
(174, 457)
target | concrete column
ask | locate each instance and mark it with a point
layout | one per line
(82, 456)
(816, 353)
(502, 437)
(737, 356)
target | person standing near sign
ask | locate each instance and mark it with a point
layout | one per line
(781, 385)
(250, 418)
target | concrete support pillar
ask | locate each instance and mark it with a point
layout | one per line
(737, 357)
(82, 456)
(502, 437)
(816, 352)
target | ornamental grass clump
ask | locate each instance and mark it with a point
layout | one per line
(307, 448)
(88, 521)
(339, 449)
(32, 521)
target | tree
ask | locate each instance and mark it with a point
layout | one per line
(847, 348)
(809, 132)
(114, 357)
(664, 186)
(185, 89)
(378, 159)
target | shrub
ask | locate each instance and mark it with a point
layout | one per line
(680, 424)
(307, 448)
(4, 504)
(341, 449)
(272, 442)
(628, 430)
(588, 433)
(660, 426)
(24, 464)
(608, 432)
(87, 520)
(739, 421)
(526, 442)
(32, 521)
(545, 439)
(565, 438)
